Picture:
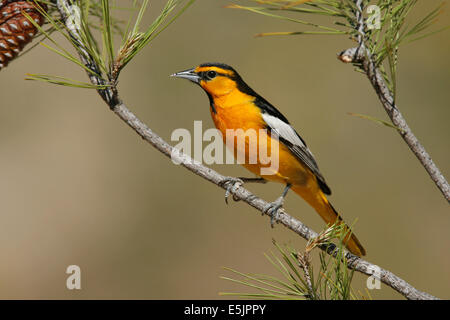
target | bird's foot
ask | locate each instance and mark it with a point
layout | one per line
(273, 208)
(232, 184)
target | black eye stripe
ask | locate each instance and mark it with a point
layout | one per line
(204, 75)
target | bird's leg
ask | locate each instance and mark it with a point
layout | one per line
(253, 180)
(232, 183)
(273, 207)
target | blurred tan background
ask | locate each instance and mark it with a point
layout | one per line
(77, 186)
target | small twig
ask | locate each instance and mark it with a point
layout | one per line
(304, 263)
(111, 97)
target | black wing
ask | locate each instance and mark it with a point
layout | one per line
(279, 125)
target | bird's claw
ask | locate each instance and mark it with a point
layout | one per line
(272, 210)
(231, 184)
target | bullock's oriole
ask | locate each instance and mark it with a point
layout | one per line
(234, 105)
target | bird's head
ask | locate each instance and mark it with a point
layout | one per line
(217, 79)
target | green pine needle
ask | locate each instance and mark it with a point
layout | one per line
(376, 120)
(62, 81)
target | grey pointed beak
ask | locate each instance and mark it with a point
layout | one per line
(187, 74)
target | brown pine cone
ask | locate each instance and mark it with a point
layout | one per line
(15, 29)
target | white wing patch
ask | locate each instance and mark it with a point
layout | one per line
(283, 130)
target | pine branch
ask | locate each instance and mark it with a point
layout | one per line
(363, 58)
(111, 96)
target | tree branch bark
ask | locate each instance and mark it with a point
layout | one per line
(111, 97)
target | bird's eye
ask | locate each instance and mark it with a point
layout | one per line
(211, 74)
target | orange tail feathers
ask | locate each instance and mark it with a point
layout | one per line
(324, 208)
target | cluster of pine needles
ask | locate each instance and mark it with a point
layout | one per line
(96, 30)
(329, 279)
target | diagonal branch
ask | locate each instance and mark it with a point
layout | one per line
(362, 56)
(111, 97)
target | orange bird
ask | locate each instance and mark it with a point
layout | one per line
(234, 105)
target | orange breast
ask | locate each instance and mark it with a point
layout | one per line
(252, 145)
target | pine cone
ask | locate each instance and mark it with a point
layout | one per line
(15, 29)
